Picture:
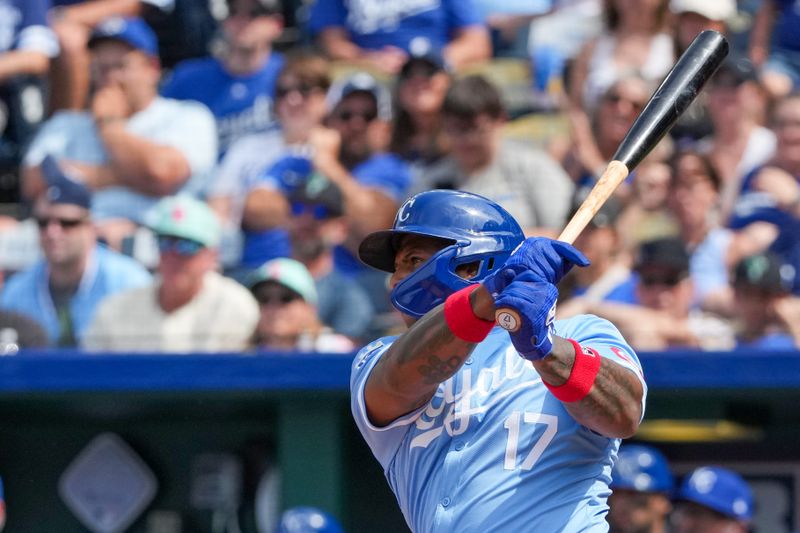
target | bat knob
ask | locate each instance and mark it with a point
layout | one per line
(508, 319)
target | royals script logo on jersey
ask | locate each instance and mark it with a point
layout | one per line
(370, 16)
(469, 393)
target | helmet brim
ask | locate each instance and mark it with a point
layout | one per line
(378, 249)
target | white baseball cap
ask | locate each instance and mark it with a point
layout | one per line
(710, 9)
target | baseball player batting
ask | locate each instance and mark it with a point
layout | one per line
(479, 429)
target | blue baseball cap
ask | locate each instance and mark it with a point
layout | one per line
(290, 172)
(719, 489)
(642, 469)
(63, 187)
(133, 31)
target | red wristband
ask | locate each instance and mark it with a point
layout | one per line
(461, 318)
(581, 377)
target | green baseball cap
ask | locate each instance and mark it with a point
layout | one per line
(187, 218)
(288, 272)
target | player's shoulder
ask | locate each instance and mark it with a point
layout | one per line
(371, 351)
(583, 327)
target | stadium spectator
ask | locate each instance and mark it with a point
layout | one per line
(690, 17)
(775, 46)
(767, 212)
(659, 314)
(73, 22)
(739, 142)
(595, 137)
(641, 485)
(646, 215)
(300, 107)
(190, 307)
(63, 290)
(420, 90)
(381, 35)
(636, 41)
(482, 162)
(316, 226)
(713, 249)
(238, 85)
(349, 153)
(287, 295)
(767, 315)
(712, 499)
(26, 47)
(610, 265)
(132, 146)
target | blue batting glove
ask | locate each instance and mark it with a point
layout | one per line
(527, 310)
(547, 259)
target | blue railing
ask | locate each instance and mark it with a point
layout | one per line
(53, 371)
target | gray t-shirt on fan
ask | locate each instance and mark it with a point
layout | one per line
(527, 182)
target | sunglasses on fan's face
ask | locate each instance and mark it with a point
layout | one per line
(663, 279)
(63, 223)
(182, 247)
(615, 98)
(303, 90)
(346, 115)
(273, 294)
(319, 212)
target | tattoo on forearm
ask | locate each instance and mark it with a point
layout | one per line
(613, 395)
(437, 370)
(432, 347)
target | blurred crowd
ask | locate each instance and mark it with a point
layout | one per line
(197, 175)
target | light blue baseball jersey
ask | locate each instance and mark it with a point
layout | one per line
(494, 450)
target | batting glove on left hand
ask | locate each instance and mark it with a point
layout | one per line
(527, 310)
(548, 260)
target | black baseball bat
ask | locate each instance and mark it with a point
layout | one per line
(680, 87)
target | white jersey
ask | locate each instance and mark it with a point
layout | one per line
(494, 450)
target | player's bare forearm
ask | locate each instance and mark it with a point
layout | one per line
(613, 407)
(408, 374)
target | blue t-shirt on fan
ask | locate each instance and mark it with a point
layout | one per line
(241, 104)
(373, 24)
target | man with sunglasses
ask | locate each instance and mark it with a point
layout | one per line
(63, 290)
(238, 83)
(289, 320)
(661, 313)
(316, 226)
(190, 307)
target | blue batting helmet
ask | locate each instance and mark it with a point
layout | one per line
(308, 520)
(642, 469)
(719, 489)
(474, 228)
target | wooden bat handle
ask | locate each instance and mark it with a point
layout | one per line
(614, 174)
